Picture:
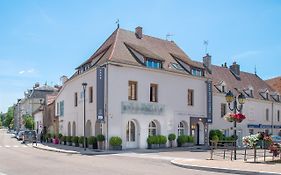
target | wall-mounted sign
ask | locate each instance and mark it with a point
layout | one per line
(100, 94)
(209, 102)
(263, 126)
(128, 107)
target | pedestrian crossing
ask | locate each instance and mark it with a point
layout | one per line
(13, 146)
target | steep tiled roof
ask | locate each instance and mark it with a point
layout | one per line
(275, 83)
(247, 80)
(115, 49)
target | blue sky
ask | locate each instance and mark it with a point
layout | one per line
(43, 40)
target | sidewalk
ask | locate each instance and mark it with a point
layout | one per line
(227, 166)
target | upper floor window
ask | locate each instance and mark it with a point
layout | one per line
(190, 97)
(196, 72)
(278, 116)
(75, 99)
(61, 108)
(132, 90)
(58, 108)
(91, 94)
(223, 109)
(267, 114)
(151, 63)
(153, 92)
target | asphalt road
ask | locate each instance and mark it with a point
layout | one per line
(20, 159)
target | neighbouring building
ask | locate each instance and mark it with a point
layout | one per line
(137, 85)
(262, 107)
(32, 100)
(275, 83)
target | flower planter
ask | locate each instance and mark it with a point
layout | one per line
(81, 145)
(162, 145)
(153, 146)
(69, 143)
(55, 141)
(90, 146)
(101, 145)
(119, 147)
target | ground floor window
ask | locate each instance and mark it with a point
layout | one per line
(181, 128)
(131, 131)
(152, 128)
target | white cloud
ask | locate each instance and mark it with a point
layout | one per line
(247, 54)
(21, 72)
(28, 71)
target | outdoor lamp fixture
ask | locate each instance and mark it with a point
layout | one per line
(84, 85)
(237, 106)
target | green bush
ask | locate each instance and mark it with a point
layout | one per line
(152, 140)
(69, 138)
(162, 139)
(60, 135)
(172, 137)
(182, 139)
(190, 139)
(216, 132)
(115, 141)
(100, 138)
(48, 136)
(81, 140)
(63, 138)
(92, 140)
(75, 139)
(215, 138)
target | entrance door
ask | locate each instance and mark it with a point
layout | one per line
(131, 135)
(197, 134)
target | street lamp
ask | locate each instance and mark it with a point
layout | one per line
(84, 85)
(241, 100)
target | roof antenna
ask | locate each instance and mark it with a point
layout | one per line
(255, 70)
(168, 35)
(206, 42)
(117, 22)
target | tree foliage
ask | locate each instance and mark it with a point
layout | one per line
(28, 122)
(8, 121)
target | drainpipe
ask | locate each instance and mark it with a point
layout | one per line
(272, 118)
(107, 118)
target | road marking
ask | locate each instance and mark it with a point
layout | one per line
(7, 146)
(13, 146)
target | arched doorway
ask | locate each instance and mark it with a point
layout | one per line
(69, 129)
(88, 128)
(73, 129)
(199, 133)
(132, 131)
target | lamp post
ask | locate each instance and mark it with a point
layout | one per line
(84, 112)
(236, 107)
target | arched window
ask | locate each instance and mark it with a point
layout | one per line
(69, 129)
(74, 129)
(181, 128)
(152, 128)
(131, 131)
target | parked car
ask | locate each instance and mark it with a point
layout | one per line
(276, 139)
(20, 135)
(29, 136)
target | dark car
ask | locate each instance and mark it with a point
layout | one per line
(29, 136)
(20, 135)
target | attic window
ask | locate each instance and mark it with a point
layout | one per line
(196, 72)
(177, 66)
(152, 63)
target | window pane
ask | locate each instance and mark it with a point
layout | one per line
(132, 132)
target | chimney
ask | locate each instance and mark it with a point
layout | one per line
(207, 61)
(235, 68)
(63, 79)
(138, 32)
(36, 85)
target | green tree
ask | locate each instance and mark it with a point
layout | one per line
(28, 122)
(9, 117)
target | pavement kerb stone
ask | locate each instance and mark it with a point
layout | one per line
(220, 170)
(55, 150)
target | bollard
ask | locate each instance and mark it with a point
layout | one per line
(245, 154)
(231, 154)
(224, 154)
(255, 154)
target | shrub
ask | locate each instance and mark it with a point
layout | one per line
(152, 140)
(63, 138)
(215, 138)
(81, 140)
(75, 139)
(92, 140)
(69, 138)
(182, 139)
(216, 132)
(115, 141)
(162, 139)
(60, 135)
(190, 139)
(48, 136)
(100, 138)
(172, 137)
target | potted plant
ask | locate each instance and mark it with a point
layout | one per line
(115, 143)
(162, 141)
(55, 140)
(92, 142)
(81, 141)
(69, 140)
(75, 141)
(63, 140)
(100, 140)
(190, 141)
(182, 139)
(59, 137)
(152, 142)
(215, 140)
(172, 138)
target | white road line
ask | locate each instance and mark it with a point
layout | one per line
(16, 146)
(7, 146)
(0, 146)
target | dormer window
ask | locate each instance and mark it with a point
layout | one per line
(152, 63)
(196, 72)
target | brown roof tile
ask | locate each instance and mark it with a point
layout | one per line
(275, 83)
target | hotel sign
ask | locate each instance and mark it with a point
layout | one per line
(128, 107)
(209, 102)
(263, 126)
(100, 94)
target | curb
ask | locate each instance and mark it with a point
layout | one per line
(59, 151)
(221, 170)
